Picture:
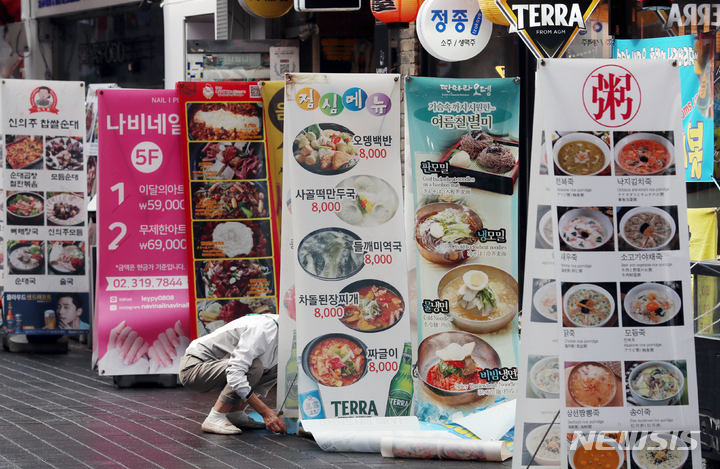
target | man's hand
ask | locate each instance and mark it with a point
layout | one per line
(274, 423)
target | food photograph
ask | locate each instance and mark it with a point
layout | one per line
(482, 299)
(648, 228)
(586, 229)
(227, 161)
(26, 257)
(25, 208)
(656, 383)
(604, 452)
(66, 257)
(232, 239)
(234, 278)
(593, 384)
(544, 441)
(589, 304)
(582, 154)
(447, 233)
(544, 233)
(543, 377)
(335, 360)
(661, 451)
(375, 204)
(225, 121)
(491, 162)
(65, 208)
(64, 153)
(326, 149)
(329, 254)
(651, 304)
(379, 308)
(229, 200)
(544, 303)
(213, 314)
(23, 152)
(644, 153)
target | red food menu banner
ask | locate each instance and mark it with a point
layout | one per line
(142, 321)
(342, 145)
(45, 236)
(233, 245)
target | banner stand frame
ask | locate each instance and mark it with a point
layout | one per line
(167, 380)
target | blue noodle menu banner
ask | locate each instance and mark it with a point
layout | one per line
(464, 150)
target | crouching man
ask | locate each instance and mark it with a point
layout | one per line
(240, 359)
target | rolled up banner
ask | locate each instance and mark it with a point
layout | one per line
(434, 448)
(369, 441)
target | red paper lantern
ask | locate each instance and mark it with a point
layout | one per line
(395, 11)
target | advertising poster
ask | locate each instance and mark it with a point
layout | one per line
(45, 240)
(142, 321)
(464, 147)
(626, 357)
(352, 304)
(232, 227)
(694, 56)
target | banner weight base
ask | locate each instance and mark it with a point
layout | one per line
(128, 381)
(23, 343)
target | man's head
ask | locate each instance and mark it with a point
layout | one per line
(43, 92)
(69, 309)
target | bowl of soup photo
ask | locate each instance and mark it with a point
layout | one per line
(588, 305)
(545, 228)
(652, 303)
(644, 154)
(592, 384)
(660, 451)
(482, 298)
(443, 231)
(546, 450)
(581, 154)
(647, 228)
(335, 360)
(379, 307)
(545, 301)
(656, 383)
(545, 378)
(600, 454)
(585, 229)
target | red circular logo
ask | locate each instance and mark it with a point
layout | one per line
(611, 96)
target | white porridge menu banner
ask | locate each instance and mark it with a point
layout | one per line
(45, 182)
(626, 352)
(353, 316)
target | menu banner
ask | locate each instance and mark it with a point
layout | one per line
(351, 298)
(232, 228)
(274, 115)
(694, 56)
(626, 357)
(142, 320)
(463, 145)
(45, 182)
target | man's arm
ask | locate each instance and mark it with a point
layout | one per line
(272, 421)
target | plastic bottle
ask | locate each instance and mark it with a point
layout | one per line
(311, 406)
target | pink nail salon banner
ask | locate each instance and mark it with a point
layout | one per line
(143, 316)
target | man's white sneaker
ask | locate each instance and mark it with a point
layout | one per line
(224, 428)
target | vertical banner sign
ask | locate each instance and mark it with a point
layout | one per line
(274, 116)
(143, 325)
(696, 78)
(234, 244)
(626, 350)
(47, 286)
(464, 149)
(353, 321)
(539, 387)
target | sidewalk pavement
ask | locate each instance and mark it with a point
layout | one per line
(55, 412)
